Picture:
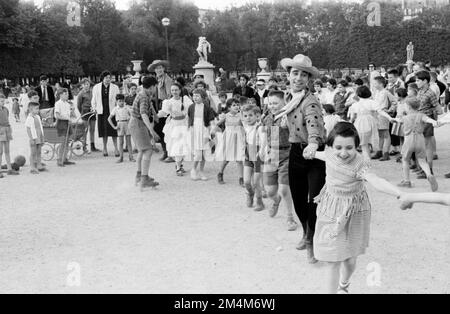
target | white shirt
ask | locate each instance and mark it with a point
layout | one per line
(63, 108)
(329, 97)
(29, 123)
(323, 96)
(121, 113)
(44, 92)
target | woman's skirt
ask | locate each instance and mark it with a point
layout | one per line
(104, 128)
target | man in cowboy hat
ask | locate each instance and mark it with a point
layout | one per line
(306, 135)
(159, 67)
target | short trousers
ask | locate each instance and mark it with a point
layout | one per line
(256, 165)
(5, 134)
(384, 133)
(123, 129)
(428, 131)
(62, 126)
(276, 170)
(414, 143)
(140, 134)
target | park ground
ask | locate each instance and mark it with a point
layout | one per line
(88, 229)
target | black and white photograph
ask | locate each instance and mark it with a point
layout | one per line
(227, 153)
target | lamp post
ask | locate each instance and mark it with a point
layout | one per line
(166, 22)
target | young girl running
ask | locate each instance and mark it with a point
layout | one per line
(175, 130)
(200, 118)
(344, 210)
(231, 143)
(414, 125)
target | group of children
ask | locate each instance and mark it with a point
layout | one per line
(259, 143)
(372, 122)
(236, 131)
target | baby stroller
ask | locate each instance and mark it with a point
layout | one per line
(76, 137)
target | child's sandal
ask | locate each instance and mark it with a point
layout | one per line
(343, 288)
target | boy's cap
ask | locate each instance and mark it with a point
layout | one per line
(120, 97)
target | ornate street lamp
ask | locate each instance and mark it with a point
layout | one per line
(166, 22)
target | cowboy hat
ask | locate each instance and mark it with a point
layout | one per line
(154, 64)
(300, 62)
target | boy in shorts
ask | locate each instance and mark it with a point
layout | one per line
(252, 163)
(122, 114)
(276, 146)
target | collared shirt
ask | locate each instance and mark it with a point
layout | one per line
(34, 123)
(305, 122)
(121, 113)
(64, 110)
(4, 116)
(44, 93)
(142, 105)
(428, 102)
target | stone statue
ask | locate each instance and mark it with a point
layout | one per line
(203, 48)
(410, 51)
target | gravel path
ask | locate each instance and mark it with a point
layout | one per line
(88, 229)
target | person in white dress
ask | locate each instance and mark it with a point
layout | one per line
(175, 131)
(365, 121)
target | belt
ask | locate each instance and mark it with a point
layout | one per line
(123, 120)
(299, 145)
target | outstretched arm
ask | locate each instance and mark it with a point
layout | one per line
(381, 184)
(408, 199)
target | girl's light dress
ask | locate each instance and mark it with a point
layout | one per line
(176, 127)
(199, 135)
(343, 212)
(231, 143)
(366, 124)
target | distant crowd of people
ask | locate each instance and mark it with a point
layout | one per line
(308, 140)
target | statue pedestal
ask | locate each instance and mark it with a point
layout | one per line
(264, 75)
(207, 70)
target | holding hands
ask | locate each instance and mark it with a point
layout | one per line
(310, 151)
